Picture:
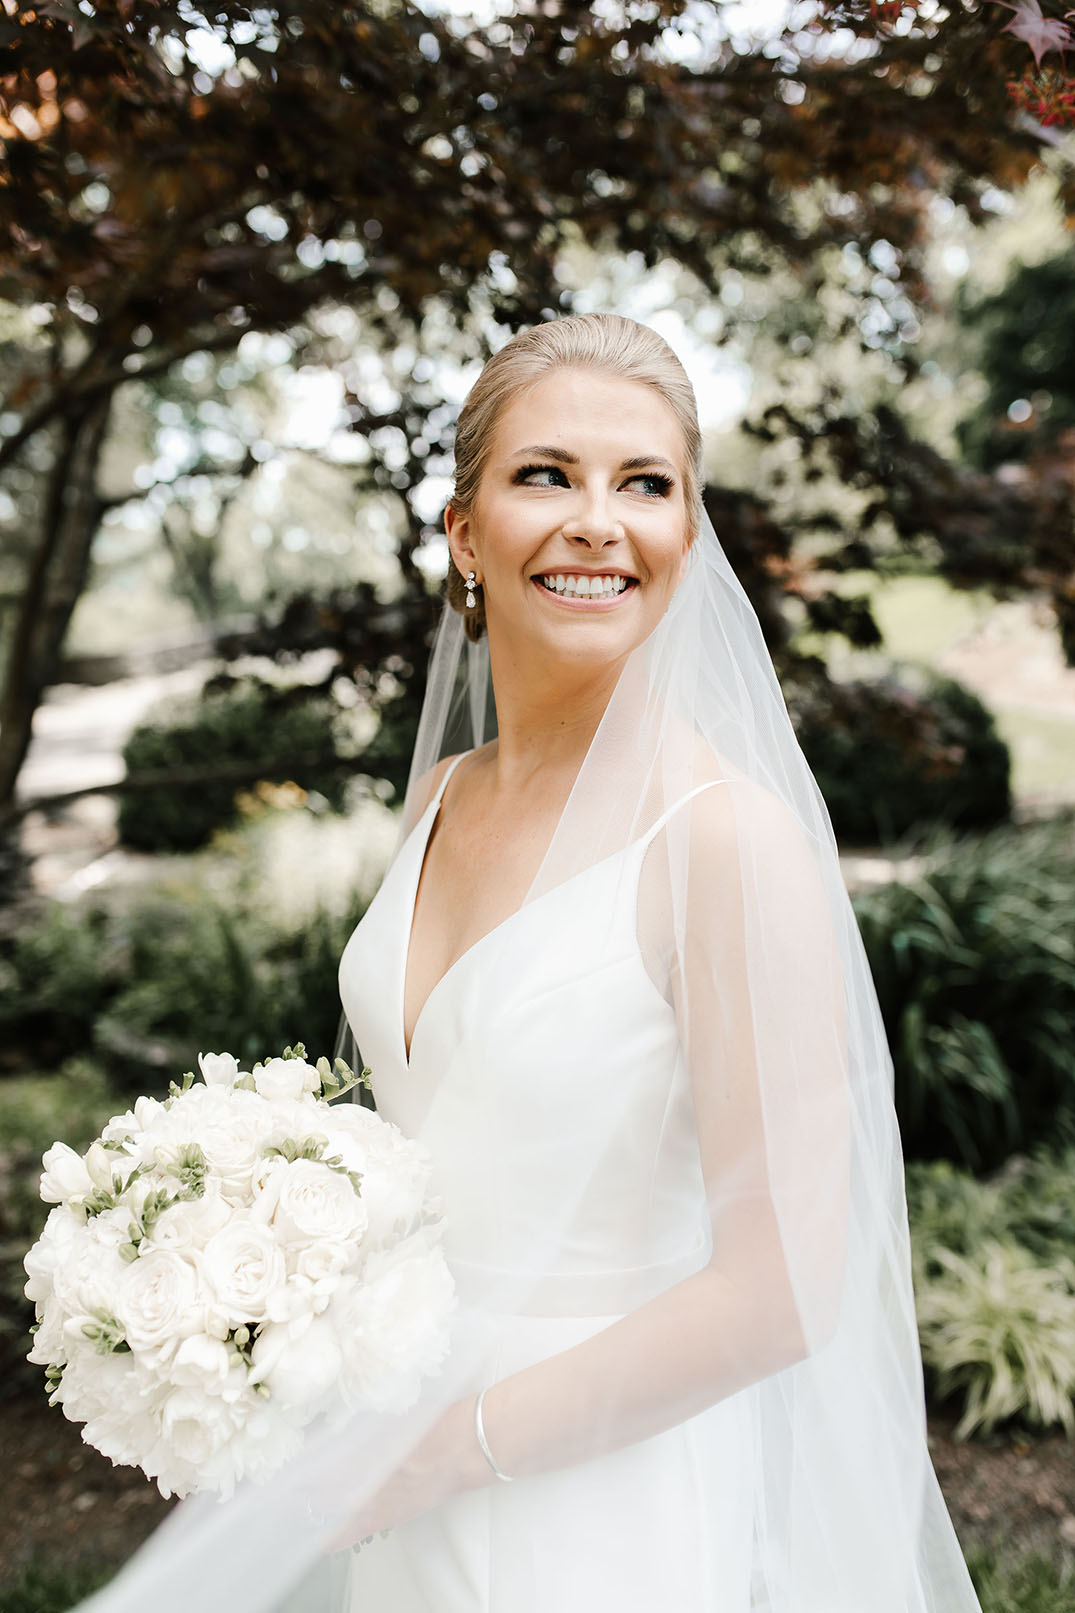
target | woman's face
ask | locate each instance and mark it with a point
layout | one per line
(580, 529)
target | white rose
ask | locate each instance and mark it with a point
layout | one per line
(268, 1438)
(117, 1400)
(158, 1300)
(243, 1266)
(322, 1263)
(65, 1176)
(190, 1223)
(296, 1118)
(395, 1195)
(218, 1069)
(393, 1329)
(195, 1425)
(229, 1127)
(50, 1344)
(142, 1118)
(205, 1363)
(87, 1279)
(296, 1301)
(286, 1078)
(299, 1362)
(395, 1171)
(61, 1232)
(308, 1202)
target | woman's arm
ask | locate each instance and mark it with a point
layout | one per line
(759, 1002)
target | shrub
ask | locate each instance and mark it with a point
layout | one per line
(974, 966)
(1030, 1584)
(49, 1587)
(1039, 1202)
(144, 990)
(950, 1209)
(203, 976)
(54, 979)
(1000, 1329)
(283, 733)
(893, 754)
(989, 1324)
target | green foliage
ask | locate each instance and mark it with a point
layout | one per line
(47, 1587)
(1027, 1584)
(202, 976)
(889, 758)
(1000, 1329)
(182, 972)
(55, 978)
(274, 733)
(974, 965)
(950, 1209)
(1026, 333)
(995, 1287)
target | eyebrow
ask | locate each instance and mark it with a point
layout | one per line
(638, 462)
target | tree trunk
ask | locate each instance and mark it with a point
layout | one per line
(56, 578)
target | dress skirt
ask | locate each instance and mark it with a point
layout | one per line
(660, 1526)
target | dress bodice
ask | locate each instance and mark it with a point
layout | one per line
(547, 1080)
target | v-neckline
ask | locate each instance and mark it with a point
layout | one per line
(430, 816)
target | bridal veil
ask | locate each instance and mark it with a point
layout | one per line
(745, 927)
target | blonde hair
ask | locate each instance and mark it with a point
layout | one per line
(605, 342)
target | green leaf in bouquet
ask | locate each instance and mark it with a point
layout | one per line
(188, 1163)
(105, 1333)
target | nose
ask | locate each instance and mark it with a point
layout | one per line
(593, 523)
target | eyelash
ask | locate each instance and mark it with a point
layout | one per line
(663, 483)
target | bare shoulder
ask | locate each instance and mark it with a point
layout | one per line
(427, 786)
(740, 819)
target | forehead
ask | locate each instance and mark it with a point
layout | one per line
(590, 413)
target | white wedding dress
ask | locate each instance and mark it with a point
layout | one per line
(519, 1056)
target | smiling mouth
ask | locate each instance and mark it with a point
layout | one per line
(583, 585)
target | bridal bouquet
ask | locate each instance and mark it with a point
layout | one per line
(226, 1265)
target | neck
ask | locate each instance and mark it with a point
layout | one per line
(545, 719)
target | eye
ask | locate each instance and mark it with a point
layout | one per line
(654, 484)
(538, 476)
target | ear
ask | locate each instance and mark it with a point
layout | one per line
(457, 527)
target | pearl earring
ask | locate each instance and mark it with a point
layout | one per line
(471, 599)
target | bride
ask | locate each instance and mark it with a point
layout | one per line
(613, 983)
(611, 979)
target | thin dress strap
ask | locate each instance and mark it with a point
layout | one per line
(651, 833)
(435, 798)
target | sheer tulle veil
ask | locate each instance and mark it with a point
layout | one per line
(745, 927)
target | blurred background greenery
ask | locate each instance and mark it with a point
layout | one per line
(250, 261)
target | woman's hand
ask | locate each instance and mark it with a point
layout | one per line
(447, 1461)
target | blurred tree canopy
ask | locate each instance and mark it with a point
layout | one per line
(177, 177)
(1026, 336)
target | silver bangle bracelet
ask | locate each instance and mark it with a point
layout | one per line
(479, 1430)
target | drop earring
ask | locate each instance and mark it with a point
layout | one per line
(471, 597)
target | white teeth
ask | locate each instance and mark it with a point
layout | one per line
(584, 587)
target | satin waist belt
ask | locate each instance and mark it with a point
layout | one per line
(602, 1292)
